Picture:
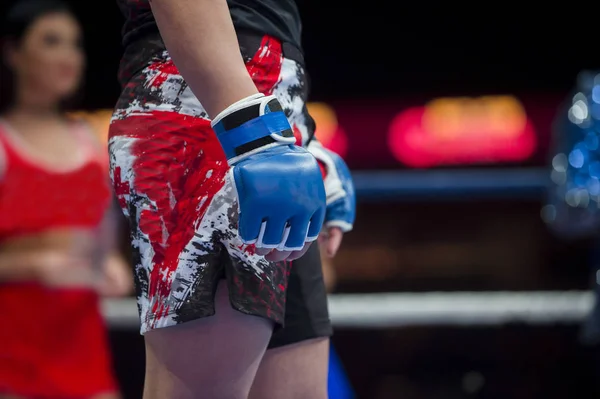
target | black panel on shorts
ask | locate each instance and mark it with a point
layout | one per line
(306, 312)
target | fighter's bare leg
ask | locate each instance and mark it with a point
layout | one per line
(212, 358)
(297, 371)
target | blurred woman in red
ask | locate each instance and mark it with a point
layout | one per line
(54, 198)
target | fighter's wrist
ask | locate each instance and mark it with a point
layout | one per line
(236, 106)
(252, 125)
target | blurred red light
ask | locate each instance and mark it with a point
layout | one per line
(462, 131)
(338, 143)
(328, 132)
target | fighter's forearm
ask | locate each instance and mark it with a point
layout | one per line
(200, 37)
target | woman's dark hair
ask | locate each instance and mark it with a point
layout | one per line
(13, 28)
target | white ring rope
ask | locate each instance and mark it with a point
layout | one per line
(389, 310)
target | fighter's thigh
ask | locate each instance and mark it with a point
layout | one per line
(210, 358)
(295, 365)
(296, 371)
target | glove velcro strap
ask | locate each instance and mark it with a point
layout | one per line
(242, 131)
(253, 134)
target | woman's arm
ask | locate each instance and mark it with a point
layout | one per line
(17, 267)
(117, 276)
(3, 160)
(117, 279)
(329, 273)
(14, 267)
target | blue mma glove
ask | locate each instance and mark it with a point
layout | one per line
(341, 197)
(280, 191)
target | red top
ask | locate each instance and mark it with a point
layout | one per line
(36, 197)
(53, 340)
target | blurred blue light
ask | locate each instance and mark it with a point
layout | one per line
(593, 186)
(575, 192)
(580, 180)
(576, 158)
(591, 141)
(594, 169)
(596, 94)
(594, 110)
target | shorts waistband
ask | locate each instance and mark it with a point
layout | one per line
(140, 53)
(250, 41)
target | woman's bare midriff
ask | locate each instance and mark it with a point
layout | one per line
(67, 257)
(79, 241)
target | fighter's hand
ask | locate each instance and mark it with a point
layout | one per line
(341, 197)
(280, 192)
(330, 240)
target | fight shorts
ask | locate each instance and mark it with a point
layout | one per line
(169, 175)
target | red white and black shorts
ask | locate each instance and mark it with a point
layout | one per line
(169, 175)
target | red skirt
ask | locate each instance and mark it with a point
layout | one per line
(53, 343)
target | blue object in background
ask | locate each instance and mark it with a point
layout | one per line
(572, 209)
(338, 384)
(573, 206)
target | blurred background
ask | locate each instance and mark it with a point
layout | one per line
(471, 272)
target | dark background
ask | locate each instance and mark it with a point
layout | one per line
(389, 49)
(367, 52)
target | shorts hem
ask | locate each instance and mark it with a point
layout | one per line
(154, 320)
(301, 333)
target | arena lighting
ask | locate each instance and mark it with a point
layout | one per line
(328, 131)
(453, 131)
(394, 310)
